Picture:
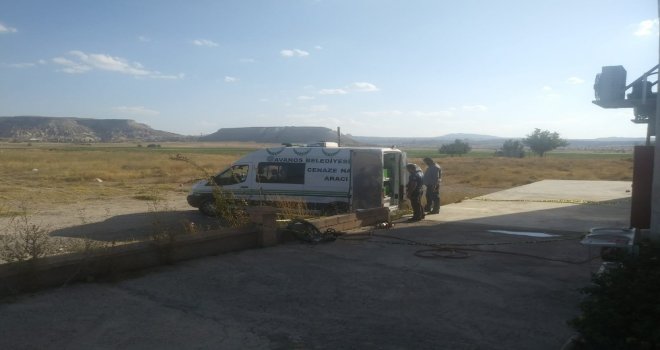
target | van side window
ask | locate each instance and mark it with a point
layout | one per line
(234, 175)
(283, 173)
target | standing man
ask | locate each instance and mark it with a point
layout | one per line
(414, 190)
(432, 178)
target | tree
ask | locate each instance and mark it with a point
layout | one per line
(541, 142)
(457, 148)
(511, 149)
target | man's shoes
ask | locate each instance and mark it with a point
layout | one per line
(434, 212)
(413, 219)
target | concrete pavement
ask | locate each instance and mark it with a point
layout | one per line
(359, 293)
(568, 205)
(378, 291)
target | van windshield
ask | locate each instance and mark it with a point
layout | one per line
(234, 175)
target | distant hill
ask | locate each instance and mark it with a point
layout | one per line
(428, 141)
(54, 129)
(279, 134)
(495, 142)
(606, 143)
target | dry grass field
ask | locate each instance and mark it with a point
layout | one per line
(467, 177)
(68, 174)
(44, 187)
(59, 174)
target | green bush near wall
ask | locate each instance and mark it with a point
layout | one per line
(621, 309)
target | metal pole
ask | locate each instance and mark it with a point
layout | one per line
(655, 193)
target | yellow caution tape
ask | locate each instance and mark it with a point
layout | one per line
(560, 201)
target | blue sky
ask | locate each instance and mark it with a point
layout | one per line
(373, 68)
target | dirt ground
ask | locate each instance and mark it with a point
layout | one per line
(126, 218)
(119, 218)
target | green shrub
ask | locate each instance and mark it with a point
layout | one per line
(622, 305)
(459, 148)
(512, 149)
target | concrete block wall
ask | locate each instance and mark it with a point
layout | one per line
(59, 270)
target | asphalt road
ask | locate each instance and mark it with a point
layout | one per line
(372, 293)
(361, 292)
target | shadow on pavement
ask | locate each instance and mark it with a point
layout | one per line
(138, 226)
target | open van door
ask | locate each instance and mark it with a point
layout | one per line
(394, 171)
(367, 179)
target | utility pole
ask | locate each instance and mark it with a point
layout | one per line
(655, 194)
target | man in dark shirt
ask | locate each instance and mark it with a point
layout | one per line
(415, 190)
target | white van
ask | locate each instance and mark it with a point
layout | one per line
(327, 178)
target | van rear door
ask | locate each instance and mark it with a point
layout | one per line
(367, 178)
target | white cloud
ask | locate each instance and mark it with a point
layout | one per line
(110, 63)
(415, 114)
(159, 75)
(204, 42)
(333, 92)
(318, 108)
(7, 29)
(475, 108)
(136, 110)
(431, 114)
(382, 113)
(363, 87)
(303, 98)
(575, 80)
(86, 62)
(21, 65)
(229, 79)
(353, 87)
(71, 67)
(647, 27)
(293, 53)
(318, 47)
(549, 94)
(144, 39)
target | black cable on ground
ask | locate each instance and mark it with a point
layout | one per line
(307, 232)
(461, 250)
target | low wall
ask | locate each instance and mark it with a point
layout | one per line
(350, 221)
(112, 261)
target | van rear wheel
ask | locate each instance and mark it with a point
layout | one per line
(209, 208)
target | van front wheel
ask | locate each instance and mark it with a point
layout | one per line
(335, 209)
